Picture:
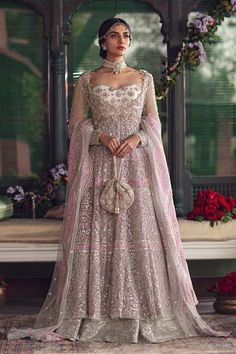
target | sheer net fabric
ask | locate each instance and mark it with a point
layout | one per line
(118, 277)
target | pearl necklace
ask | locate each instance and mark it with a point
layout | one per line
(117, 66)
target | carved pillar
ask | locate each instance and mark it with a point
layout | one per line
(58, 88)
(58, 75)
(178, 16)
(176, 111)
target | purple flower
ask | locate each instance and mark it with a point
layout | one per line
(19, 197)
(61, 165)
(20, 189)
(62, 171)
(233, 3)
(11, 190)
(202, 22)
(58, 171)
(56, 175)
(201, 51)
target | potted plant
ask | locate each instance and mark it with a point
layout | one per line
(225, 292)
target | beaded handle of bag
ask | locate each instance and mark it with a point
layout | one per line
(117, 175)
(117, 171)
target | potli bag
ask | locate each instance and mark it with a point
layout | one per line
(117, 195)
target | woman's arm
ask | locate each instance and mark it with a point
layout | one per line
(79, 110)
(149, 109)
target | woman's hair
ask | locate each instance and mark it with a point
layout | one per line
(104, 28)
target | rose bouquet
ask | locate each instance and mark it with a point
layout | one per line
(226, 286)
(36, 201)
(213, 206)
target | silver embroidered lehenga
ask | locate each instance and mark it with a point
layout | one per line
(118, 277)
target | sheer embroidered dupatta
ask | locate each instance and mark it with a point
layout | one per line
(51, 314)
(80, 131)
(183, 296)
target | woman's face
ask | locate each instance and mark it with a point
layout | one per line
(117, 41)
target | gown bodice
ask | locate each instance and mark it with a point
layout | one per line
(117, 111)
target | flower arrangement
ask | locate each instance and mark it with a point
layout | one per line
(213, 206)
(226, 286)
(201, 31)
(3, 284)
(43, 193)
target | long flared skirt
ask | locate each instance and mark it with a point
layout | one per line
(119, 289)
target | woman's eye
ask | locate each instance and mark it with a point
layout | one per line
(113, 35)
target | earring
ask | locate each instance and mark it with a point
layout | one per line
(104, 47)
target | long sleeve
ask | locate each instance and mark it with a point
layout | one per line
(149, 109)
(79, 110)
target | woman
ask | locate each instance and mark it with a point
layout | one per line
(121, 275)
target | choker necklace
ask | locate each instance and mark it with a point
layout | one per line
(116, 65)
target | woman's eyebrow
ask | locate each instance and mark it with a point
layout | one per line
(119, 32)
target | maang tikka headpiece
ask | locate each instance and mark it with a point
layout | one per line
(104, 36)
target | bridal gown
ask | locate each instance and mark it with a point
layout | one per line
(125, 278)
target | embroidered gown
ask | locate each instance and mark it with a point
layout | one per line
(126, 284)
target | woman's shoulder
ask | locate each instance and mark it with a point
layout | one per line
(83, 76)
(82, 80)
(146, 73)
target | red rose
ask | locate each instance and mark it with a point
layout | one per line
(228, 283)
(219, 214)
(171, 69)
(210, 212)
(232, 202)
(232, 275)
(224, 203)
(225, 285)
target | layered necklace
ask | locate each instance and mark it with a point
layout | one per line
(116, 66)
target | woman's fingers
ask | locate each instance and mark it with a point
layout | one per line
(113, 144)
(123, 149)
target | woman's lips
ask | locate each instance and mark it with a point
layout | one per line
(121, 48)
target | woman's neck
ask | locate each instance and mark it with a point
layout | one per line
(112, 58)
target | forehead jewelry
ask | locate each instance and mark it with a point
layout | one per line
(104, 36)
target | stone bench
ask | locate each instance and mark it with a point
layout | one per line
(36, 240)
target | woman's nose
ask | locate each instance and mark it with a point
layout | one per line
(121, 39)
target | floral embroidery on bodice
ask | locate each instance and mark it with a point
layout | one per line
(117, 111)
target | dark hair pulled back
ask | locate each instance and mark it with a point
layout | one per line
(105, 26)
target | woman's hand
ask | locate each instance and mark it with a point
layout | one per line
(111, 142)
(128, 145)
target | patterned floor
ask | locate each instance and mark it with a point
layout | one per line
(193, 345)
